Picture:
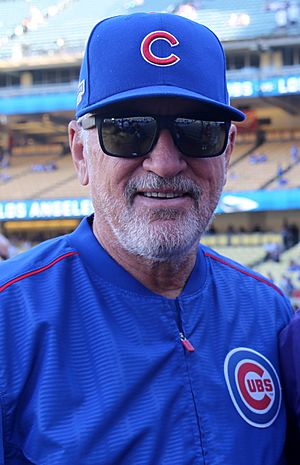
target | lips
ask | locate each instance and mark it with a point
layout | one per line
(162, 195)
(155, 187)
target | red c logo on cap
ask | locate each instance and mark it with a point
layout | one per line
(149, 56)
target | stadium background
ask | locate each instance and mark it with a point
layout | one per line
(41, 47)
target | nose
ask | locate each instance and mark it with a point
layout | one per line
(165, 159)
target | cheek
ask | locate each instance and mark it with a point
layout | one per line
(95, 168)
(221, 173)
(211, 174)
(109, 175)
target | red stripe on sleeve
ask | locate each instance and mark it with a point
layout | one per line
(247, 273)
(38, 270)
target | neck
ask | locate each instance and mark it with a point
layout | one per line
(166, 278)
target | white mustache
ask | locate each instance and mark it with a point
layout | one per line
(153, 182)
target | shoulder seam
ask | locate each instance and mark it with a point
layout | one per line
(245, 272)
(36, 271)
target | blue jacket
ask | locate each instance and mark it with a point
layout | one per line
(95, 369)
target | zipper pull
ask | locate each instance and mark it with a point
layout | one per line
(186, 343)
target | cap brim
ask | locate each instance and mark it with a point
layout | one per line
(210, 107)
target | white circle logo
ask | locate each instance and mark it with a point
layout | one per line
(253, 385)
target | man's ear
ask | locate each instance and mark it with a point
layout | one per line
(230, 147)
(77, 151)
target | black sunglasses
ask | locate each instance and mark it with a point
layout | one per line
(135, 136)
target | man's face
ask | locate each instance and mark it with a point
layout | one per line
(156, 206)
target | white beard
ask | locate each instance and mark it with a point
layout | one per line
(157, 234)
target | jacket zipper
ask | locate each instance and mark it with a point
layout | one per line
(188, 346)
(184, 341)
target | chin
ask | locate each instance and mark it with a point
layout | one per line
(161, 243)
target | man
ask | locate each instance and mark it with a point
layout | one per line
(4, 247)
(125, 342)
(289, 357)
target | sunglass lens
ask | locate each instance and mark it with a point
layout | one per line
(128, 137)
(200, 139)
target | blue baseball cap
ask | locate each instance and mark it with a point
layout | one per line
(146, 55)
